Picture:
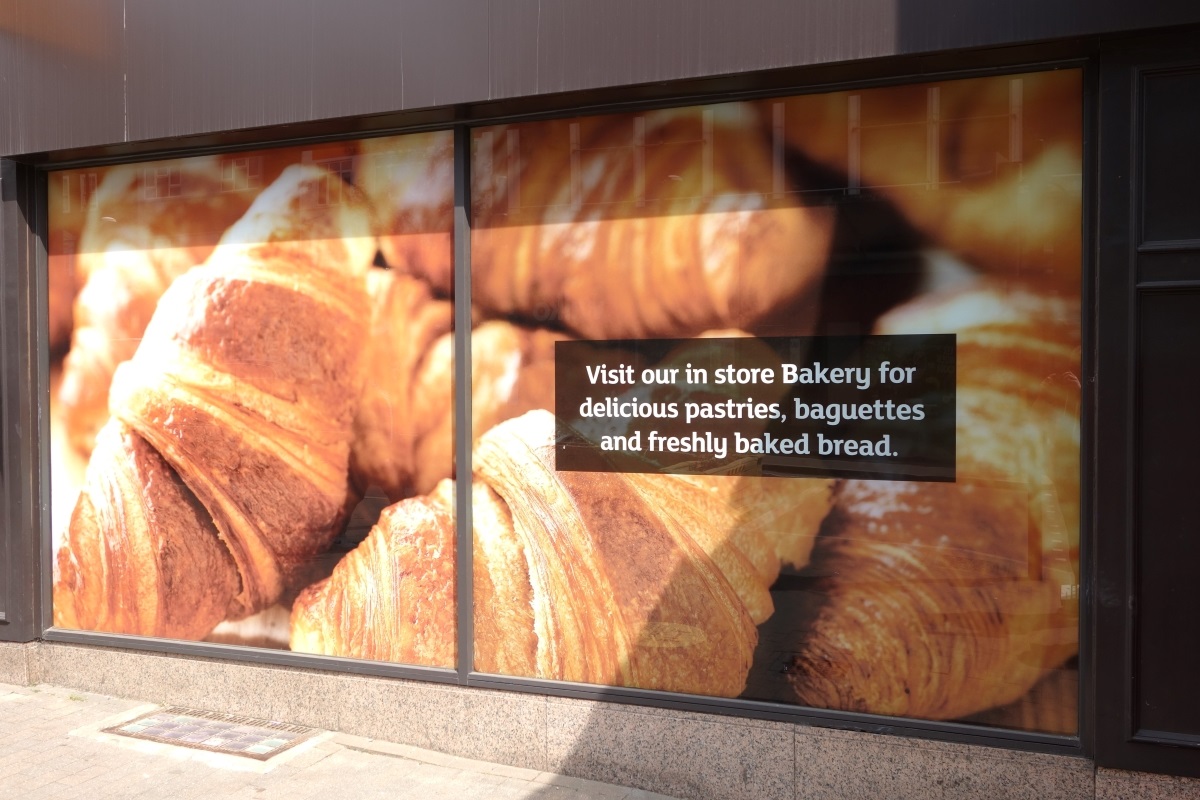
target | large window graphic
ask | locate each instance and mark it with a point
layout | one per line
(250, 379)
(775, 399)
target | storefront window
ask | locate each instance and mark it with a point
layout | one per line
(779, 400)
(774, 400)
(257, 367)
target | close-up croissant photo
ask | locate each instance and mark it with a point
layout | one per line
(255, 413)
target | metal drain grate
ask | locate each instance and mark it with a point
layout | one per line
(215, 732)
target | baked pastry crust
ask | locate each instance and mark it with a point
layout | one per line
(940, 600)
(661, 224)
(244, 387)
(404, 428)
(131, 249)
(653, 581)
(409, 180)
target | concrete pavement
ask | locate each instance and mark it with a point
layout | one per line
(52, 747)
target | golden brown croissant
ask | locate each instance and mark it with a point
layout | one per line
(665, 223)
(512, 371)
(944, 599)
(786, 512)
(405, 321)
(135, 243)
(175, 209)
(245, 386)
(989, 168)
(644, 580)
(404, 431)
(392, 598)
(410, 182)
(145, 226)
(144, 555)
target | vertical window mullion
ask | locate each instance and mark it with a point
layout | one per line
(465, 651)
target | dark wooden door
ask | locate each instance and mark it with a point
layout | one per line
(1147, 579)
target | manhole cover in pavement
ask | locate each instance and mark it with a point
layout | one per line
(214, 731)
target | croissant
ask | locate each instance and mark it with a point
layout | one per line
(131, 249)
(988, 168)
(392, 598)
(405, 321)
(659, 224)
(617, 579)
(512, 372)
(143, 555)
(944, 599)
(146, 225)
(404, 430)
(410, 182)
(242, 397)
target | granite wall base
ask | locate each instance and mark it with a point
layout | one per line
(14, 663)
(680, 753)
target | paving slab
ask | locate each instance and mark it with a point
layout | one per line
(55, 745)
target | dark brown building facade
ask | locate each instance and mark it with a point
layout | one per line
(814, 374)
